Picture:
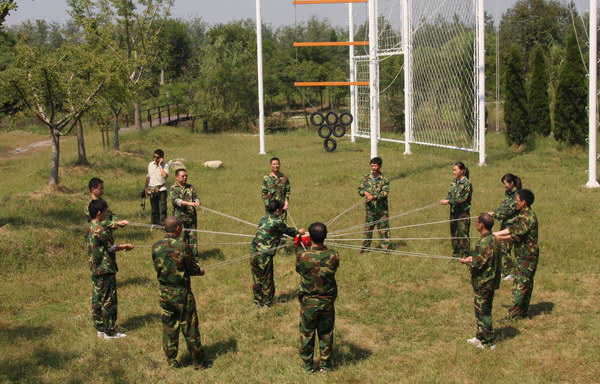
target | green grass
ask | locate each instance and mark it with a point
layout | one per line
(399, 319)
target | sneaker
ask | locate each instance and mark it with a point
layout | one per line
(508, 277)
(491, 347)
(474, 341)
(308, 368)
(116, 335)
(323, 369)
(100, 334)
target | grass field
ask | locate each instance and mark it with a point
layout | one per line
(399, 319)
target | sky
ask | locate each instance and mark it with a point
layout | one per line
(274, 12)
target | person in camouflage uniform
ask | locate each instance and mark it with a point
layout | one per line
(174, 264)
(185, 201)
(505, 212)
(276, 186)
(523, 233)
(485, 265)
(459, 199)
(271, 228)
(375, 188)
(111, 222)
(103, 267)
(318, 291)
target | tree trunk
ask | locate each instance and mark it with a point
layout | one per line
(81, 157)
(138, 116)
(162, 76)
(116, 131)
(54, 160)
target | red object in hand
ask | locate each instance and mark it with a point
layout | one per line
(302, 240)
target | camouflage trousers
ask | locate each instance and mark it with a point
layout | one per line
(484, 298)
(508, 260)
(190, 238)
(104, 303)
(316, 315)
(179, 313)
(158, 202)
(460, 228)
(263, 287)
(522, 289)
(383, 227)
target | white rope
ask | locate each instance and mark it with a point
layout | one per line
(227, 262)
(406, 226)
(389, 218)
(295, 226)
(227, 216)
(387, 251)
(343, 213)
(413, 238)
(153, 226)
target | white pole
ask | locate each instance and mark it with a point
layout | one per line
(353, 128)
(261, 104)
(593, 130)
(407, 37)
(481, 80)
(373, 79)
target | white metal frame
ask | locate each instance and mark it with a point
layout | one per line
(592, 99)
(261, 104)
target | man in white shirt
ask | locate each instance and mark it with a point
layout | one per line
(156, 186)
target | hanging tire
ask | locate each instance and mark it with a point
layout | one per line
(317, 119)
(339, 130)
(330, 144)
(331, 118)
(324, 131)
(346, 118)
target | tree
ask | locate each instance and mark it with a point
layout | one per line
(539, 103)
(5, 7)
(515, 104)
(571, 118)
(56, 87)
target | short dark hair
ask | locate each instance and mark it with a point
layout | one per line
(160, 153)
(274, 205)
(179, 170)
(318, 232)
(376, 160)
(95, 182)
(512, 179)
(97, 206)
(171, 224)
(487, 220)
(527, 196)
(273, 159)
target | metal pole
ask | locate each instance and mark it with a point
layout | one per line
(498, 77)
(407, 43)
(592, 109)
(352, 75)
(481, 80)
(373, 78)
(261, 104)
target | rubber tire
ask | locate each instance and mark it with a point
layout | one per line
(339, 130)
(328, 129)
(331, 141)
(317, 115)
(342, 115)
(331, 115)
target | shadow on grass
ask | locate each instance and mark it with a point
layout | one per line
(137, 322)
(287, 296)
(35, 366)
(133, 281)
(215, 253)
(347, 353)
(506, 333)
(213, 351)
(543, 307)
(25, 332)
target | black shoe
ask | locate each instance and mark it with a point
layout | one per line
(204, 364)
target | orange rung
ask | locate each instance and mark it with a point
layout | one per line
(329, 83)
(301, 2)
(329, 43)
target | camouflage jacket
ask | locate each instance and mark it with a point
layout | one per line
(507, 209)
(317, 268)
(110, 222)
(173, 262)
(379, 187)
(486, 265)
(275, 188)
(459, 195)
(101, 248)
(178, 193)
(524, 231)
(270, 230)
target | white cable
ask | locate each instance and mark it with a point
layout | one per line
(391, 251)
(406, 226)
(343, 213)
(411, 238)
(227, 216)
